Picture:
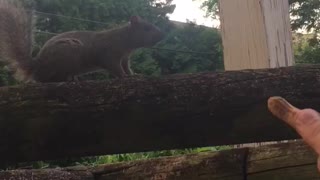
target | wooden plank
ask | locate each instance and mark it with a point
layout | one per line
(191, 166)
(256, 34)
(293, 173)
(292, 160)
(48, 174)
(282, 161)
(52, 121)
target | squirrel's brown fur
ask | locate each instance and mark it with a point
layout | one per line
(71, 53)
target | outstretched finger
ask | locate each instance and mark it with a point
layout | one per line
(283, 110)
(306, 122)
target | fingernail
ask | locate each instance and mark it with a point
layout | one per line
(282, 109)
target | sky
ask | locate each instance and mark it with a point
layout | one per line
(188, 9)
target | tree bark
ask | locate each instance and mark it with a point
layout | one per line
(293, 160)
(58, 120)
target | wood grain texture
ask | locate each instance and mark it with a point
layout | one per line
(278, 32)
(293, 160)
(256, 34)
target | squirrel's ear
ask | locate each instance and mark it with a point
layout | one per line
(135, 19)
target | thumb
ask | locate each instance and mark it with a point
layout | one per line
(306, 122)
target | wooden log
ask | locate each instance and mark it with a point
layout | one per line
(58, 120)
(293, 160)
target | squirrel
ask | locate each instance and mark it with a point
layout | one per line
(73, 53)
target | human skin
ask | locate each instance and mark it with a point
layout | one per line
(306, 122)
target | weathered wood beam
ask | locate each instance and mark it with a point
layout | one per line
(293, 160)
(51, 121)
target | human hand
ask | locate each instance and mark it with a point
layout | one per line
(306, 122)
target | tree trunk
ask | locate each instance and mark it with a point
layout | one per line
(58, 120)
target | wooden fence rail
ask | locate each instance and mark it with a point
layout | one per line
(292, 161)
(51, 121)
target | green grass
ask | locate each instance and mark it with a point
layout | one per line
(109, 159)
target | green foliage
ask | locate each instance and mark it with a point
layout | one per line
(310, 55)
(110, 13)
(211, 7)
(305, 14)
(142, 62)
(100, 14)
(195, 49)
(205, 44)
(306, 49)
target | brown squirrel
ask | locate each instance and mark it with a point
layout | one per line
(71, 53)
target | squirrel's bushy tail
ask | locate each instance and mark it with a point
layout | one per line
(16, 37)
